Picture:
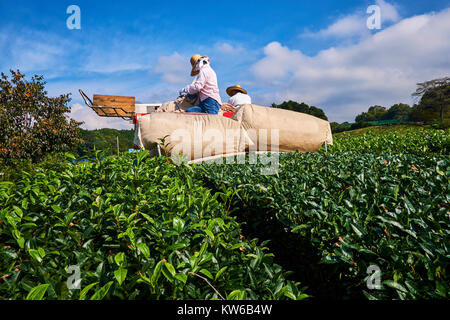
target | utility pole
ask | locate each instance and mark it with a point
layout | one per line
(117, 145)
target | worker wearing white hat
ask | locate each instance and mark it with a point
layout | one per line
(205, 86)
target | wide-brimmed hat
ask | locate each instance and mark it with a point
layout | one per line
(235, 88)
(194, 60)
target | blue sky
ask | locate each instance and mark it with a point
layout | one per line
(319, 52)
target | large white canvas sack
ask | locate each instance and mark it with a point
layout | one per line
(283, 130)
(181, 104)
(194, 135)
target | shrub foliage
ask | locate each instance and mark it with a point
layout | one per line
(32, 124)
(136, 228)
(331, 216)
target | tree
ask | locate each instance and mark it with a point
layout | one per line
(364, 116)
(336, 127)
(301, 107)
(374, 113)
(359, 125)
(317, 112)
(105, 139)
(32, 124)
(399, 111)
(435, 96)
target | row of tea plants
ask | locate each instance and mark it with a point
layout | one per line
(332, 218)
(129, 228)
(400, 139)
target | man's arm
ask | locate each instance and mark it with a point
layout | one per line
(198, 85)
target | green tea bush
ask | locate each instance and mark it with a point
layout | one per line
(331, 216)
(415, 140)
(14, 169)
(136, 228)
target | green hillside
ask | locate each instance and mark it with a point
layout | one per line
(399, 128)
(105, 139)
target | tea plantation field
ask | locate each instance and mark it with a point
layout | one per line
(134, 227)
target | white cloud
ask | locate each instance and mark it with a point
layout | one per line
(93, 121)
(270, 68)
(226, 48)
(42, 51)
(31, 50)
(389, 12)
(109, 66)
(381, 69)
(173, 69)
(344, 27)
(355, 24)
(119, 55)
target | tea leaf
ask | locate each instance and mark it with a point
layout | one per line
(120, 275)
(143, 248)
(86, 290)
(102, 292)
(38, 292)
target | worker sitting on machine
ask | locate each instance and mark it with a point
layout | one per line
(238, 96)
(205, 86)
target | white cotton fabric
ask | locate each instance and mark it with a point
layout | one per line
(240, 98)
